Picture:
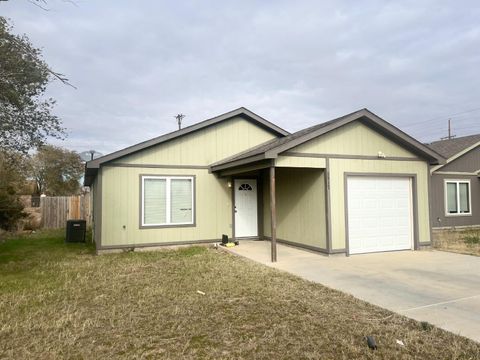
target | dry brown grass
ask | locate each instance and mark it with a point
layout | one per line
(459, 241)
(60, 301)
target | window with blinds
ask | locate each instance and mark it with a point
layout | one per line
(167, 200)
(457, 197)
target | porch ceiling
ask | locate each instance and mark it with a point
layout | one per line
(245, 168)
(279, 162)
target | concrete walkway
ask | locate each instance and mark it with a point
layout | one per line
(439, 287)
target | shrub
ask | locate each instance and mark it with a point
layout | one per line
(11, 208)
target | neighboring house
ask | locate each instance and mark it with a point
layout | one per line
(455, 187)
(352, 185)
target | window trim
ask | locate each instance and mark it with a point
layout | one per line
(168, 179)
(457, 182)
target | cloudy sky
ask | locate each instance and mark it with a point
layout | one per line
(297, 63)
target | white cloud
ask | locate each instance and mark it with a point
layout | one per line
(137, 64)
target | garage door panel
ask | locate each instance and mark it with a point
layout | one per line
(379, 214)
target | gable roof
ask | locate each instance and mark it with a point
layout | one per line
(271, 149)
(91, 167)
(451, 147)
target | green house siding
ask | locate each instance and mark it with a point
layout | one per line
(300, 201)
(122, 203)
(118, 184)
(203, 147)
(307, 176)
(300, 162)
(353, 148)
(353, 139)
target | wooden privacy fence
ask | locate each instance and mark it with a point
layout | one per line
(56, 210)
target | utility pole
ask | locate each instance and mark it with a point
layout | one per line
(179, 118)
(450, 136)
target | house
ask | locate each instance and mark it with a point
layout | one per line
(351, 185)
(455, 185)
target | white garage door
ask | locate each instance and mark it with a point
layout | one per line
(379, 214)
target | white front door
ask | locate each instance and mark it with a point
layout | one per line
(379, 214)
(246, 220)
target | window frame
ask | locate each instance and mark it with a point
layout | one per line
(168, 179)
(457, 183)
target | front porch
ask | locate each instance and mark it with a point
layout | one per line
(290, 203)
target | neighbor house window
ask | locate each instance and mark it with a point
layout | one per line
(167, 200)
(457, 194)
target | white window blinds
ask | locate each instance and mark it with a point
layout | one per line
(167, 200)
(155, 197)
(181, 203)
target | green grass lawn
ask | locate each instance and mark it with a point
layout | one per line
(61, 301)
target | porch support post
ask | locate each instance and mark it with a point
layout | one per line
(273, 213)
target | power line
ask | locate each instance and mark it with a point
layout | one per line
(457, 128)
(433, 122)
(459, 113)
(435, 134)
(440, 118)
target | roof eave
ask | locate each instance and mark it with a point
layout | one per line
(457, 155)
(406, 140)
(241, 112)
(239, 162)
(373, 120)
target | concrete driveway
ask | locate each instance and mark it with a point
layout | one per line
(439, 287)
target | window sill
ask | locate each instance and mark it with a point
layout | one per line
(457, 215)
(143, 227)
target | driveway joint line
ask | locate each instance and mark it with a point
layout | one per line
(440, 303)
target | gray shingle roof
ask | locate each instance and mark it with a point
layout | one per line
(274, 143)
(449, 148)
(274, 147)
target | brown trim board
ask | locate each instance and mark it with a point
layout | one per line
(306, 247)
(232, 179)
(241, 112)
(273, 149)
(273, 213)
(239, 162)
(429, 193)
(347, 156)
(98, 212)
(156, 166)
(160, 244)
(257, 166)
(328, 209)
(91, 167)
(260, 206)
(414, 196)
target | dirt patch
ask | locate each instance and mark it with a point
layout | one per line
(463, 241)
(59, 300)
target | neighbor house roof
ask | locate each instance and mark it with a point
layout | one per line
(92, 166)
(451, 147)
(272, 148)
